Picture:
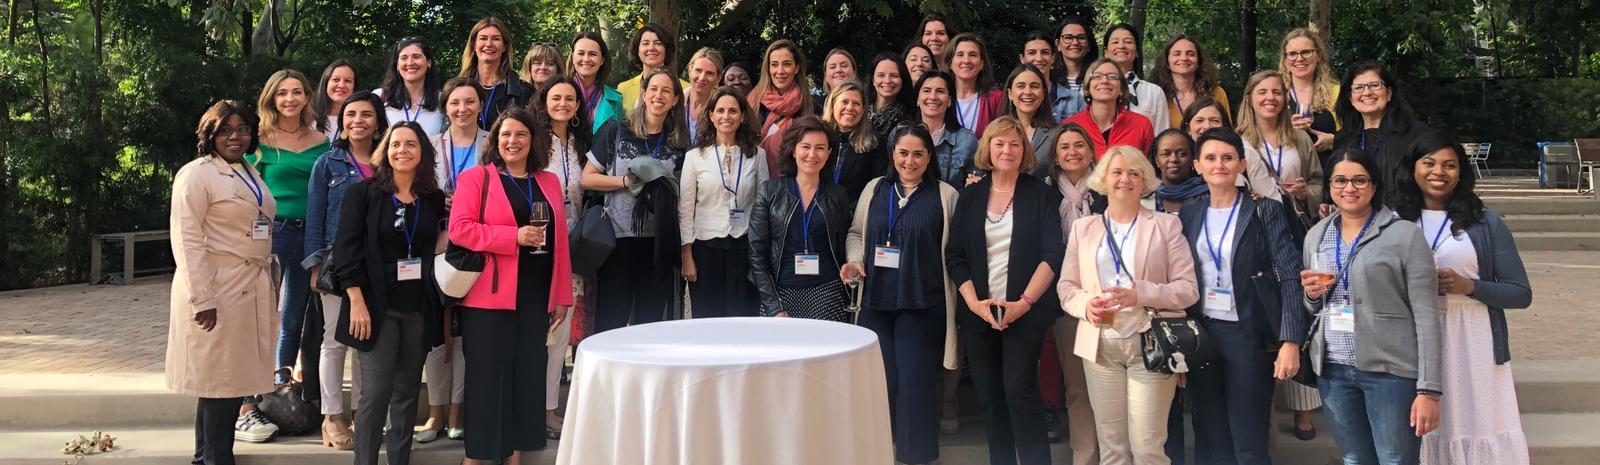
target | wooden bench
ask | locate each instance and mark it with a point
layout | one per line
(128, 240)
(1588, 162)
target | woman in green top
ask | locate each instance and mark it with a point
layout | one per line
(290, 145)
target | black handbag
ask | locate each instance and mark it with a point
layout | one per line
(1171, 345)
(327, 280)
(287, 407)
(592, 240)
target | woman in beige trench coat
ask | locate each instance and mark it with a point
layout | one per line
(224, 315)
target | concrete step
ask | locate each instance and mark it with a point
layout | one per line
(1553, 439)
(1553, 223)
(1522, 205)
(1558, 241)
(141, 400)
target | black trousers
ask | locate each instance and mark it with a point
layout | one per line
(723, 287)
(391, 374)
(1005, 371)
(633, 290)
(912, 341)
(1233, 422)
(504, 404)
(311, 348)
(213, 430)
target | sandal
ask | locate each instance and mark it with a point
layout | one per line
(552, 433)
(336, 437)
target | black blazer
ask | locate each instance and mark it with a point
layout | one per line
(769, 228)
(1035, 238)
(358, 237)
(1263, 252)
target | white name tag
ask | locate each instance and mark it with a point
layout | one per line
(738, 218)
(1219, 300)
(886, 257)
(261, 230)
(1342, 318)
(409, 269)
(807, 264)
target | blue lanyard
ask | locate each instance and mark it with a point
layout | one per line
(1438, 235)
(806, 211)
(1116, 247)
(361, 172)
(590, 101)
(1338, 251)
(891, 202)
(1216, 252)
(483, 116)
(838, 165)
(1376, 147)
(960, 115)
(1176, 103)
(1304, 109)
(526, 192)
(1277, 168)
(566, 164)
(688, 118)
(254, 186)
(410, 226)
(738, 176)
(661, 139)
(459, 164)
(407, 111)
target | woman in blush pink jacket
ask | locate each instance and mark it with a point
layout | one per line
(525, 288)
(1117, 265)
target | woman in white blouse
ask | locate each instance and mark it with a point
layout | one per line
(1123, 45)
(721, 175)
(560, 102)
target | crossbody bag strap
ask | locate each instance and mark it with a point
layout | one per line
(483, 201)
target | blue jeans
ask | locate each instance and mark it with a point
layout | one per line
(289, 244)
(1371, 415)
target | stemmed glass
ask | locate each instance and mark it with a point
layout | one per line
(540, 218)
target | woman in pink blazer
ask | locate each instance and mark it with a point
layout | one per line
(525, 289)
(1117, 265)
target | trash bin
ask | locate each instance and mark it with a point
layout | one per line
(1558, 165)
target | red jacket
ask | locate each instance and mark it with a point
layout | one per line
(496, 237)
(1130, 128)
(989, 102)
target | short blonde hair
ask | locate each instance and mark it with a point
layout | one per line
(542, 52)
(1134, 158)
(998, 127)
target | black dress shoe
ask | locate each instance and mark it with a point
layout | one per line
(1305, 434)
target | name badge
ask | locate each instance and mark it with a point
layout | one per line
(1342, 318)
(261, 230)
(886, 257)
(408, 269)
(1219, 300)
(807, 264)
(738, 218)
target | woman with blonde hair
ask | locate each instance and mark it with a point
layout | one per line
(704, 73)
(1122, 269)
(857, 155)
(1265, 126)
(541, 64)
(1313, 88)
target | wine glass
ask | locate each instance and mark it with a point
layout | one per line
(1323, 270)
(539, 217)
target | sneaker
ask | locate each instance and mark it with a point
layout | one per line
(1052, 426)
(253, 427)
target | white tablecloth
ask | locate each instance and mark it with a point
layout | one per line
(730, 391)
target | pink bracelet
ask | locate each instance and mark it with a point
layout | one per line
(1027, 299)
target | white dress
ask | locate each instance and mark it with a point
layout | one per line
(1479, 422)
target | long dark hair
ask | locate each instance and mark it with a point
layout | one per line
(1091, 53)
(1397, 116)
(1044, 117)
(394, 87)
(745, 137)
(901, 97)
(1359, 157)
(323, 103)
(950, 121)
(343, 142)
(383, 174)
(539, 147)
(211, 122)
(1205, 70)
(1464, 208)
(930, 173)
(578, 128)
(1138, 47)
(604, 72)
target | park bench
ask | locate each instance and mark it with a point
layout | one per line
(128, 240)
(1588, 159)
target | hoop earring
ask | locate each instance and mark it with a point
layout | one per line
(573, 122)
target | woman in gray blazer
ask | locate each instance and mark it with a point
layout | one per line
(1480, 275)
(1370, 279)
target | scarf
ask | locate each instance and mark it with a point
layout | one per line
(782, 106)
(1075, 201)
(1180, 192)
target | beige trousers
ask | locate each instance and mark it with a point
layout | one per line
(1130, 404)
(1080, 416)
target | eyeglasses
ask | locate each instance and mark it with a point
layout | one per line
(1360, 182)
(1362, 88)
(1301, 54)
(1104, 77)
(1073, 37)
(227, 131)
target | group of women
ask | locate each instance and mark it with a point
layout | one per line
(1032, 229)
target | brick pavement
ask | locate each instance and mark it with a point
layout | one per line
(110, 329)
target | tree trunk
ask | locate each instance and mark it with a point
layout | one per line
(1322, 18)
(1247, 36)
(246, 27)
(1136, 14)
(11, 21)
(666, 14)
(6, 212)
(44, 63)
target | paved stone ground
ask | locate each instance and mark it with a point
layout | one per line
(122, 329)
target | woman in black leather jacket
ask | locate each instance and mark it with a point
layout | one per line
(797, 230)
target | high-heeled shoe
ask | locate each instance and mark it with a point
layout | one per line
(337, 437)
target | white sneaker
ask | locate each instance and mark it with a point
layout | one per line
(253, 427)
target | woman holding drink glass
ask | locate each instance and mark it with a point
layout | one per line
(1124, 267)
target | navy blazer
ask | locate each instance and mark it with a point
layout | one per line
(1502, 280)
(1262, 246)
(1035, 238)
